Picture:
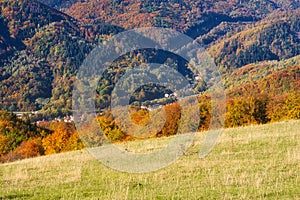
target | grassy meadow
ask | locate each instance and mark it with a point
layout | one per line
(255, 162)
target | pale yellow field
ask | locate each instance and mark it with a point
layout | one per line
(257, 162)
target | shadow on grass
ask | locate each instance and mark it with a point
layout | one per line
(15, 196)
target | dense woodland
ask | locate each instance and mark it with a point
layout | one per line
(42, 48)
(21, 139)
(255, 44)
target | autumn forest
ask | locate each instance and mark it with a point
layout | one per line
(254, 43)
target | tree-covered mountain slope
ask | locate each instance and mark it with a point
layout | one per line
(275, 38)
(41, 48)
(178, 14)
(268, 78)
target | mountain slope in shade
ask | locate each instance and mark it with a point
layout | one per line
(27, 79)
(39, 47)
(40, 51)
(19, 20)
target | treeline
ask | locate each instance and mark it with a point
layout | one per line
(240, 111)
(21, 139)
(262, 109)
(270, 98)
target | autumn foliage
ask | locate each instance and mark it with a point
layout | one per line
(64, 138)
(30, 148)
(173, 113)
(21, 139)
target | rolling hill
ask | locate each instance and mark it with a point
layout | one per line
(248, 163)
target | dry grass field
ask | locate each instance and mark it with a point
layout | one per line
(255, 162)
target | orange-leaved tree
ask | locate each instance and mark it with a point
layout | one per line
(64, 138)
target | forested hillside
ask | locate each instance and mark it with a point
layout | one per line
(21, 139)
(41, 48)
(274, 38)
(255, 44)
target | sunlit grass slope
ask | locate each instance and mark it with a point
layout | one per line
(257, 162)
